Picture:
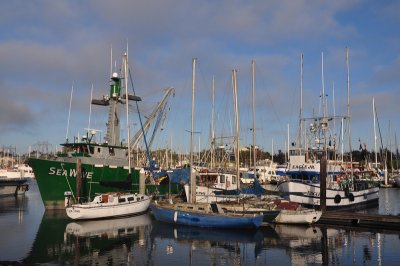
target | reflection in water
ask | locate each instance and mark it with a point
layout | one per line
(87, 242)
(18, 226)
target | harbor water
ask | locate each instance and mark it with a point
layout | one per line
(32, 236)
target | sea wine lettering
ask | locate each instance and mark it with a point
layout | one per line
(72, 172)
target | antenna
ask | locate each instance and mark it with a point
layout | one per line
(111, 62)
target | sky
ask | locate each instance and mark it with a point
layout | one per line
(48, 48)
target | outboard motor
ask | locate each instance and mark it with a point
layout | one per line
(67, 198)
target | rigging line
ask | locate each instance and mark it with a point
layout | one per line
(380, 134)
(141, 125)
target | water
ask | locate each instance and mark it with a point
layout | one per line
(29, 235)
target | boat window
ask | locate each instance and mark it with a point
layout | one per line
(131, 198)
(120, 200)
(295, 152)
(98, 149)
(111, 151)
(104, 198)
(91, 149)
(222, 179)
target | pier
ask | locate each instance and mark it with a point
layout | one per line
(377, 221)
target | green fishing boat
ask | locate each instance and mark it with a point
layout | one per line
(86, 166)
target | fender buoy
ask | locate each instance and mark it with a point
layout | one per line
(337, 199)
(175, 216)
(351, 197)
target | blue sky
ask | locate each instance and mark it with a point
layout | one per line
(46, 46)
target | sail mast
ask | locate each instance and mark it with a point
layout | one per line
(212, 124)
(90, 107)
(237, 154)
(127, 110)
(192, 179)
(301, 102)
(375, 137)
(254, 118)
(348, 108)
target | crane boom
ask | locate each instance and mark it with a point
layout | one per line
(160, 107)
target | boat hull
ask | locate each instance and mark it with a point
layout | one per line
(298, 216)
(13, 186)
(98, 211)
(397, 181)
(309, 196)
(269, 215)
(170, 215)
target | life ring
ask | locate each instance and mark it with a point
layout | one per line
(337, 199)
(351, 197)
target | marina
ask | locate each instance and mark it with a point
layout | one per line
(33, 235)
(278, 148)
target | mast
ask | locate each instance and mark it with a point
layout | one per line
(90, 107)
(127, 109)
(342, 138)
(323, 98)
(237, 154)
(348, 108)
(254, 117)
(323, 85)
(397, 151)
(375, 137)
(272, 151)
(301, 103)
(192, 178)
(288, 141)
(334, 120)
(212, 124)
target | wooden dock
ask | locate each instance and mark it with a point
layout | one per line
(378, 221)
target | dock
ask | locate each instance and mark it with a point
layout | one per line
(377, 221)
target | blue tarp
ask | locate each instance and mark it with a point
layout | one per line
(256, 189)
(180, 175)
